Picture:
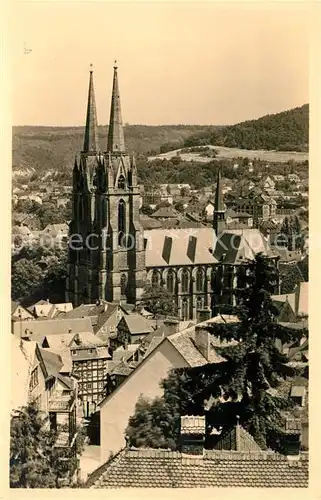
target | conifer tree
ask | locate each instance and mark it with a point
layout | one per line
(243, 384)
(30, 450)
(34, 460)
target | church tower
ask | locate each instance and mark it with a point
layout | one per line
(109, 263)
(219, 208)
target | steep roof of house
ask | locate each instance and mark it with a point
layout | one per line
(121, 368)
(166, 212)
(87, 339)
(137, 324)
(52, 361)
(147, 468)
(184, 343)
(148, 222)
(40, 328)
(155, 341)
(298, 300)
(98, 313)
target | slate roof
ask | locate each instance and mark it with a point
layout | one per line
(178, 247)
(149, 223)
(87, 339)
(155, 341)
(137, 324)
(299, 299)
(147, 468)
(121, 368)
(166, 212)
(184, 343)
(237, 245)
(52, 361)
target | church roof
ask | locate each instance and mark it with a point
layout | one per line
(178, 247)
(238, 245)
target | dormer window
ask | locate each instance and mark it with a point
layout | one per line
(121, 182)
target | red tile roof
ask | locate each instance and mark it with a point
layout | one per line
(150, 468)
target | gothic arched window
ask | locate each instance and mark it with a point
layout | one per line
(130, 179)
(170, 281)
(185, 281)
(199, 280)
(123, 284)
(184, 310)
(155, 278)
(121, 182)
(199, 303)
(121, 222)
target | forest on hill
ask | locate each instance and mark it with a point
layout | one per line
(54, 148)
(285, 131)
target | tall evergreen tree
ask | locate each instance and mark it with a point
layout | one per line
(34, 460)
(30, 450)
(243, 384)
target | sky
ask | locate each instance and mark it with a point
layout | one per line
(179, 62)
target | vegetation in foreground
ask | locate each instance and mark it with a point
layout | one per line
(241, 385)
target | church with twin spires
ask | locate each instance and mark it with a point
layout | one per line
(112, 258)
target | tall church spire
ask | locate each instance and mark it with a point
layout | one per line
(116, 142)
(219, 207)
(219, 204)
(91, 131)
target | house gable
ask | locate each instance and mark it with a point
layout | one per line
(116, 409)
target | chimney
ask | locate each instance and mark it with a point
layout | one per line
(292, 438)
(203, 342)
(192, 436)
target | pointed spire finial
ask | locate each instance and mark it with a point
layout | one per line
(91, 130)
(219, 205)
(115, 64)
(115, 142)
(90, 67)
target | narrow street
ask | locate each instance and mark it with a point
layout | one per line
(89, 461)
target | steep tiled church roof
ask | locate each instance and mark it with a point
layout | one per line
(147, 468)
(178, 247)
